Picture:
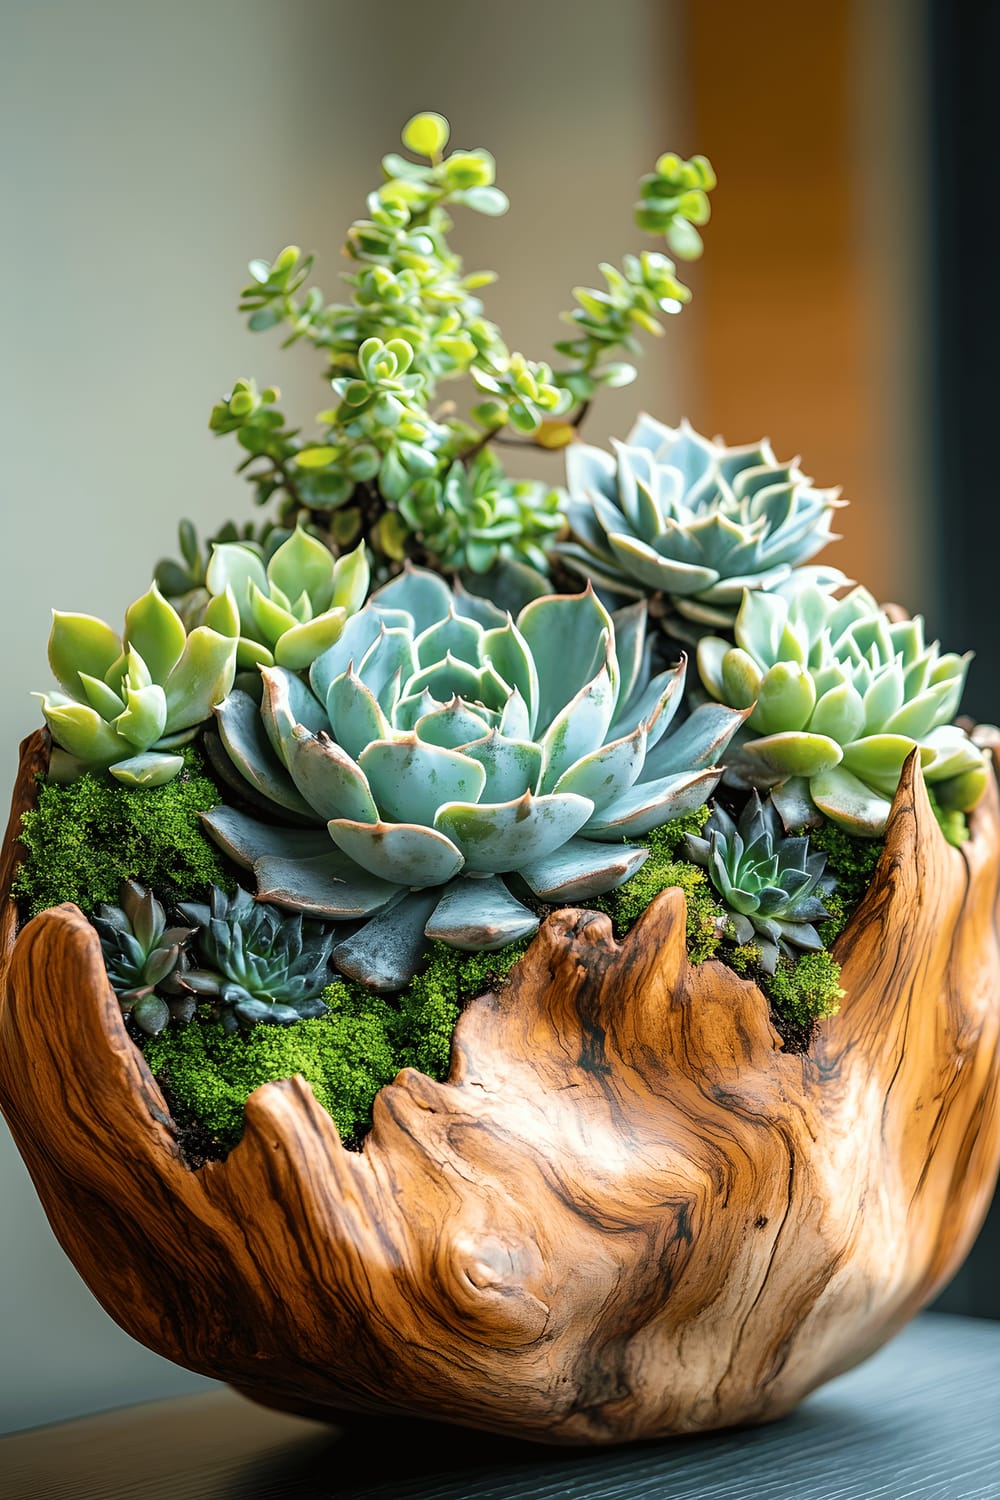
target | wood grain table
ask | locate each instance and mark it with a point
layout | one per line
(920, 1421)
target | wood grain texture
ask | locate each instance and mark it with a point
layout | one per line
(628, 1213)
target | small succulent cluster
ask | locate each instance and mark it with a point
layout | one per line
(127, 703)
(419, 742)
(145, 959)
(256, 963)
(476, 517)
(242, 961)
(294, 605)
(771, 885)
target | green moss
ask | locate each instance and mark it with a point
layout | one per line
(345, 1056)
(84, 839)
(744, 959)
(706, 918)
(805, 989)
(429, 1006)
(851, 861)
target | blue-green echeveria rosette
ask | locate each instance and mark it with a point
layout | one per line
(671, 512)
(840, 696)
(459, 759)
(126, 703)
(772, 886)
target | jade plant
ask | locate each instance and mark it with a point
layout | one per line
(388, 460)
(419, 742)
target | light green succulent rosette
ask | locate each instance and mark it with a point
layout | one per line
(127, 703)
(673, 513)
(840, 696)
(457, 761)
(294, 605)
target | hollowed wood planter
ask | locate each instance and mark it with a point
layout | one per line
(628, 1213)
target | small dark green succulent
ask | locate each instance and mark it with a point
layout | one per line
(770, 884)
(144, 959)
(259, 963)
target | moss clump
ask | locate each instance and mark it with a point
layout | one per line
(429, 1006)
(84, 839)
(852, 862)
(706, 919)
(805, 989)
(346, 1056)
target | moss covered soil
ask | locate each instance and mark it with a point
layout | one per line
(83, 839)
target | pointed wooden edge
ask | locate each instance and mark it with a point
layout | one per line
(33, 763)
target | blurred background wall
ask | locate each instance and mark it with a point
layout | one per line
(148, 152)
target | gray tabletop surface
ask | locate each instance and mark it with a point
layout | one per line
(919, 1421)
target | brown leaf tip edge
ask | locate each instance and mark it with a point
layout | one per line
(628, 1213)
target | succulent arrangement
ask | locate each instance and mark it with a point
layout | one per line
(417, 741)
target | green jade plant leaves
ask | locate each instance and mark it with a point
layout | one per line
(128, 702)
(293, 606)
(771, 886)
(839, 696)
(453, 754)
(673, 513)
(384, 463)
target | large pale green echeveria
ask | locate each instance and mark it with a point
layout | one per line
(293, 607)
(128, 702)
(841, 695)
(673, 513)
(457, 758)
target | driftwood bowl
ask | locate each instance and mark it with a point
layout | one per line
(628, 1213)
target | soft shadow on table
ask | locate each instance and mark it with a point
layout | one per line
(410, 1460)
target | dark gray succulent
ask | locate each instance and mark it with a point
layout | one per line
(771, 885)
(258, 963)
(145, 959)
